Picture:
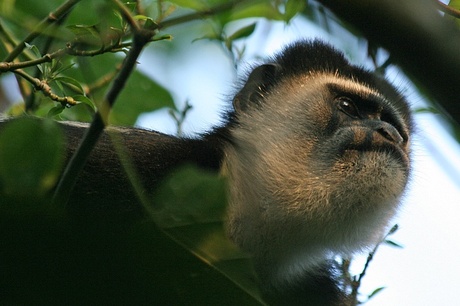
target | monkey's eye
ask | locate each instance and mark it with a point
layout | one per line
(348, 107)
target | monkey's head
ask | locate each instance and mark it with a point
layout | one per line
(318, 160)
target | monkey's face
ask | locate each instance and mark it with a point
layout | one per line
(325, 154)
(359, 136)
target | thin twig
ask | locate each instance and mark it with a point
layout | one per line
(51, 18)
(199, 15)
(140, 10)
(7, 35)
(45, 88)
(10, 41)
(29, 101)
(357, 283)
(101, 82)
(127, 15)
(11, 66)
(448, 9)
(23, 86)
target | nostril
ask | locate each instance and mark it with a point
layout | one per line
(390, 133)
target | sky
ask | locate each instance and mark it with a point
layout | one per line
(426, 270)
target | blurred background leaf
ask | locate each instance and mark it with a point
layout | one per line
(31, 157)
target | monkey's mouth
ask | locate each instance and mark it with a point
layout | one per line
(382, 140)
(387, 149)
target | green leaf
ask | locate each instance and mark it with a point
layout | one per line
(140, 95)
(190, 196)
(428, 109)
(455, 4)
(293, 7)
(124, 263)
(86, 34)
(259, 8)
(81, 30)
(190, 207)
(210, 36)
(57, 110)
(375, 292)
(393, 244)
(37, 54)
(85, 100)
(150, 24)
(243, 32)
(34, 49)
(131, 7)
(59, 67)
(393, 230)
(71, 83)
(31, 157)
(59, 86)
(208, 242)
(80, 112)
(193, 4)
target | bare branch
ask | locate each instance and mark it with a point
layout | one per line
(43, 86)
(448, 9)
(10, 66)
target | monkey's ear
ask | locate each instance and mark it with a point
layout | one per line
(256, 85)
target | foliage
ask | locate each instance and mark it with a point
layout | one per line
(71, 60)
(37, 170)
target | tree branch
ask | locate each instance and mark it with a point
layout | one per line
(127, 15)
(10, 66)
(423, 43)
(67, 181)
(448, 9)
(51, 18)
(43, 86)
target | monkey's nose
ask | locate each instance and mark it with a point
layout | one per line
(389, 132)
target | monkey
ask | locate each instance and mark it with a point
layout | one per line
(316, 152)
(320, 157)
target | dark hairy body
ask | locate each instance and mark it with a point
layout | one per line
(104, 178)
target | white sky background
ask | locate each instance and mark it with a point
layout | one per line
(426, 271)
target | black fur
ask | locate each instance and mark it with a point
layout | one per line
(305, 56)
(154, 155)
